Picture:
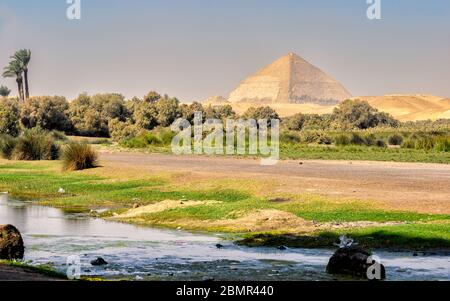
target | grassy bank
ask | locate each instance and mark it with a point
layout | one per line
(411, 236)
(231, 206)
(42, 270)
(362, 153)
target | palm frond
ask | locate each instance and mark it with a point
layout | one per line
(23, 56)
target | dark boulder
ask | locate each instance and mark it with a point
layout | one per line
(355, 261)
(99, 261)
(11, 243)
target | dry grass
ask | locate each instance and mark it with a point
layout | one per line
(79, 156)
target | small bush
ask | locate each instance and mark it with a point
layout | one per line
(135, 142)
(58, 135)
(290, 138)
(442, 145)
(326, 140)
(370, 140)
(409, 143)
(342, 140)
(380, 143)
(310, 137)
(395, 140)
(78, 156)
(425, 143)
(35, 144)
(357, 139)
(152, 139)
(165, 136)
(7, 145)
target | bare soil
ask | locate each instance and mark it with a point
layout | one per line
(13, 273)
(417, 187)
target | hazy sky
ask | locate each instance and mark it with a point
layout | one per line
(193, 49)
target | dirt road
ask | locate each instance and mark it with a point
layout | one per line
(404, 186)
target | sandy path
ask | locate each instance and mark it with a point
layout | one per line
(405, 186)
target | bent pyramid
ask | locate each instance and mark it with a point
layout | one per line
(290, 79)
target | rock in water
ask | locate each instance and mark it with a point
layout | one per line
(99, 261)
(11, 243)
(353, 261)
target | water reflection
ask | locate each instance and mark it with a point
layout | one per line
(148, 253)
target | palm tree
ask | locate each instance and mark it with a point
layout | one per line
(23, 56)
(14, 69)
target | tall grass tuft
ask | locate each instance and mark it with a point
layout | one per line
(35, 144)
(395, 140)
(442, 145)
(7, 145)
(79, 156)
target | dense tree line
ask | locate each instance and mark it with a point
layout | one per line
(110, 115)
(100, 115)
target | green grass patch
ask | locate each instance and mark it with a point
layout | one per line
(84, 191)
(87, 191)
(41, 269)
(363, 153)
(427, 236)
(351, 211)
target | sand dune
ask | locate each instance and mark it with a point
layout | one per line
(402, 107)
(411, 107)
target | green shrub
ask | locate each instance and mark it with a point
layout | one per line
(324, 139)
(35, 144)
(59, 136)
(409, 143)
(380, 143)
(395, 139)
(342, 139)
(165, 135)
(135, 142)
(442, 145)
(425, 143)
(9, 117)
(152, 139)
(370, 140)
(310, 137)
(357, 114)
(357, 139)
(120, 130)
(7, 145)
(290, 138)
(47, 112)
(79, 156)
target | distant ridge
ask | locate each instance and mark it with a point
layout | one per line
(290, 79)
(411, 107)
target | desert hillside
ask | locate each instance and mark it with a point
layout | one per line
(411, 107)
(402, 107)
(292, 85)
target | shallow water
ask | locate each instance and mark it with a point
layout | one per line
(144, 253)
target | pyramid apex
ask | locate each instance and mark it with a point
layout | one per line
(293, 56)
(290, 79)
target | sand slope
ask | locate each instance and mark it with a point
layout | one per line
(411, 107)
(402, 107)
